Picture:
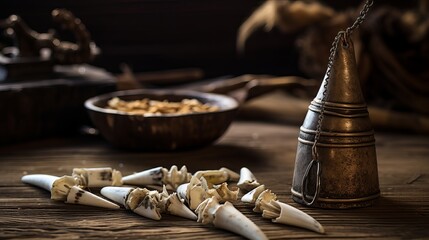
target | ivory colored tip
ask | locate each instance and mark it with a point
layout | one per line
(147, 177)
(295, 217)
(247, 181)
(177, 208)
(82, 197)
(117, 194)
(58, 186)
(40, 180)
(182, 191)
(251, 196)
(229, 218)
(148, 212)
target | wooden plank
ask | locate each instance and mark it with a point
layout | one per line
(267, 149)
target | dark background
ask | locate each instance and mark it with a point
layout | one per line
(166, 34)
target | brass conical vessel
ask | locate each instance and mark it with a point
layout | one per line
(346, 145)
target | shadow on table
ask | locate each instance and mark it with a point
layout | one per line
(397, 218)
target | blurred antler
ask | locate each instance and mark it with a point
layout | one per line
(69, 53)
(287, 16)
(30, 42)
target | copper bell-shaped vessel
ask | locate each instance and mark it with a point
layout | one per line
(348, 175)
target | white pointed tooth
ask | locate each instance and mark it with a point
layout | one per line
(145, 203)
(148, 212)
(289, 215)
(82, 197)
(229, 218)
(176, 207)
(147, 177)
(136, 197)
(206, 210)
(200, 189)
(247, 180)
(98, 177)
(58, 186)
(265, 197)
(251, 196)
(232, 176)
(40, 180)
(117, 194)
(181, 192)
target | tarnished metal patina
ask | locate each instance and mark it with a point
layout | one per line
(346, 155)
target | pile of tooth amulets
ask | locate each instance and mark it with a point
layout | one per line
(203, 196)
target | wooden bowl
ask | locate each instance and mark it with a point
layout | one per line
(162, 132)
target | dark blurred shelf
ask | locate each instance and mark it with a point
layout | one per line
(50, 106)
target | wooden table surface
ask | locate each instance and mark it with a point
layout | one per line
(267, 149)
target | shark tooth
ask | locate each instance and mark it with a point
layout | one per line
(159, 176)
(283, 213)
(40, 180)
(148, 211)
(206, 209)
(147, 203)
(229, 218)
(58, 186)
(251, 196)
(266, 203)
(98, 177)
(171, 204)
(265, 196)
(65, 189)
(148, 177)
(136, 196)
(139, 200)
(117, 194)
(226, 216)
(198, 190)
(247, 180)
(182, 191)
(175, 206)
(80, 196)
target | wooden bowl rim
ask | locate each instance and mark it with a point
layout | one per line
(228, 103)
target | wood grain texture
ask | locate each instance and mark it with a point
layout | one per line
(267, 149)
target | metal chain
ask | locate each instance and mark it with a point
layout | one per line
(359, 20)
(315, 156)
